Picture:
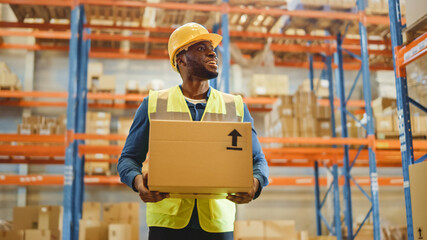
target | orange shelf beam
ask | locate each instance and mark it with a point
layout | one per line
(309, 181)
(48, 180)
(37, 34)
(58, 3)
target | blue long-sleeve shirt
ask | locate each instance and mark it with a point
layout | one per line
(136, 147)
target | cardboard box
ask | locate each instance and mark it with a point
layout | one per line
(50, 217)
(417, 183)
(286, 110)
(380, 104)
(324, 128)
(323, 112)
(102, 168)
(33, 120)
(269, 84)
(384, 123)
(25, 129)
(25, 217)
(280, 230)
(323, 238)
(123, 213)
(12, 235)
(415, 10)
(95, 68)
(119, 232)
(308, 124)
(303, 235)
(98, 116)
(92, 230)
(91, 211)
(249, 230)
(35, 234)
(419, 124)
(202, 157)
(107, 83)
(290, 125)
(132, 86)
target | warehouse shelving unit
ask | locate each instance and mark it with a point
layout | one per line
(79, 39)
(404, 55)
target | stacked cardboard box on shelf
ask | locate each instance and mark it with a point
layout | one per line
(42, 125)
(97, 81)
(271, 230)
(8, 80)
(35, 223)
(385, 115)
(120, 221)
(269, 85)
(123, 126)
(98, 123)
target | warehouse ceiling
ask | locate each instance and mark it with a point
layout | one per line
(148, 28)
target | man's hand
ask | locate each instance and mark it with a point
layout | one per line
(140, 183)
(240, 198)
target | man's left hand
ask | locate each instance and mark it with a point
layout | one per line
(241, 198)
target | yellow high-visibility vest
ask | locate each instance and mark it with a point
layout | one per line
(215, 215)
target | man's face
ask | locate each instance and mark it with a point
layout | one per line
(202, 61)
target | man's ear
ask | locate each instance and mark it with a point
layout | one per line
(181, 60)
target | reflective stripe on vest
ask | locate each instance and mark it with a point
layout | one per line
(215, 215)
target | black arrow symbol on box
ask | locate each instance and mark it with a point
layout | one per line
(420, 233)
(234, 134)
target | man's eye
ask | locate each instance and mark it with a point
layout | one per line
(200, 49)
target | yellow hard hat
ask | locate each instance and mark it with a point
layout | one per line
(186, 34)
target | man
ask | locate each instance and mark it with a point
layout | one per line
(191, 52)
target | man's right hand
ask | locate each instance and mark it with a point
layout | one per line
(140, 183)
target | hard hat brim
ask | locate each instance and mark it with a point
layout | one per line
(214, 38)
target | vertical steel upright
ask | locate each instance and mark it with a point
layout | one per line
(214, 82)
(311, 69)
(336, 190)
(83, 55)
(370, 120)
(317, 199)
(346, 168)
(333, 171)
(69, 165)
(225, 74)
(405, 132)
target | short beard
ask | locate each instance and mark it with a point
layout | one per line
(200, 70)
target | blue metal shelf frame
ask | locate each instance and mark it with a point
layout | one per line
(364, 71)
(403, 111)
(225, 74)
(334, 187)
(76, 120)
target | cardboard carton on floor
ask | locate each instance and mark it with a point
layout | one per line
(280, 230)
(91, 211)
(50, 217)
(418, 185)
(119, 231)
(206, 159)
(12, 235)
(123, 213)
(249, 230)
(25, 217)
(37, 234)
(323, 238)
(93, 230)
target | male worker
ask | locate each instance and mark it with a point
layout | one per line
(191, 52)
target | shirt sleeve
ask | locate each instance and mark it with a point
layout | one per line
(260, 167)
(135, 149)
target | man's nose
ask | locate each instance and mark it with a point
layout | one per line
(212, 53)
